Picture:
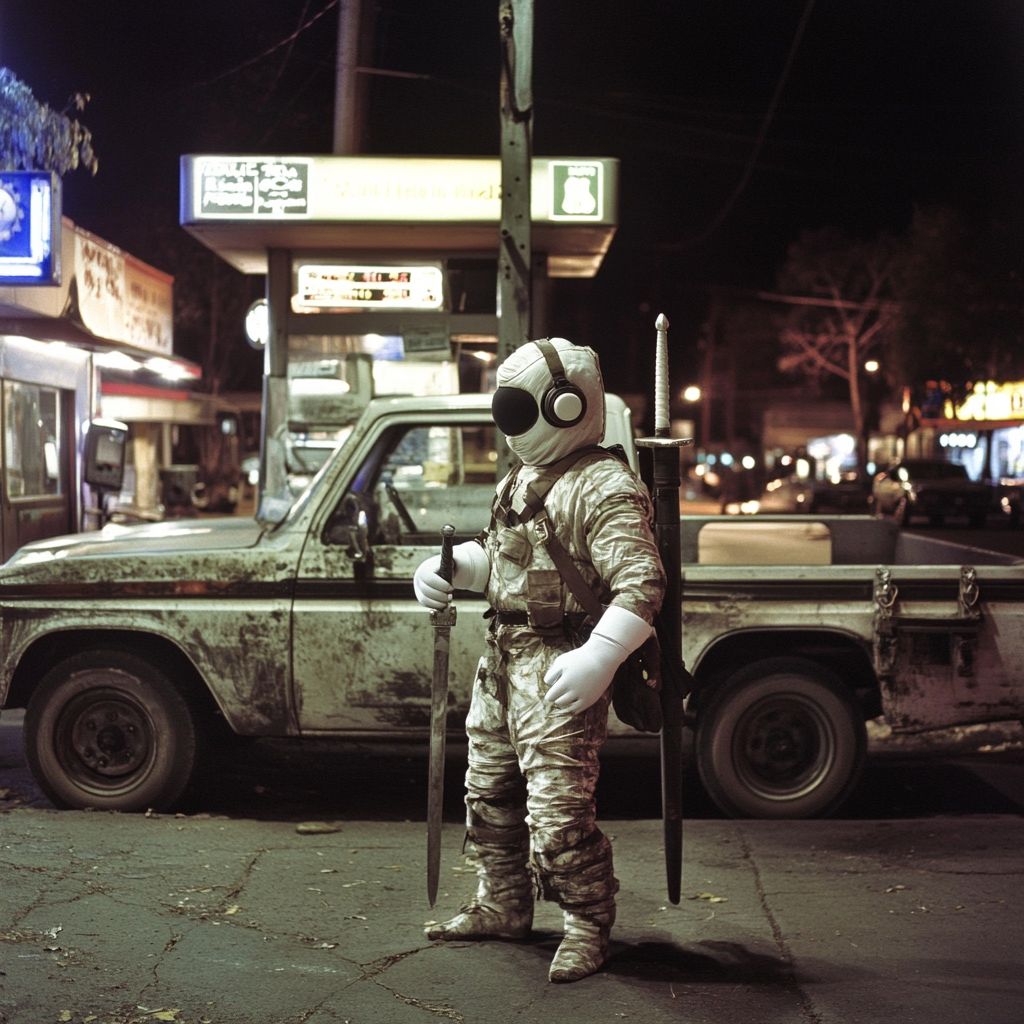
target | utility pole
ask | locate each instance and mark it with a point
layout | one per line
(353, 36)
(346, 80)
(515, 19)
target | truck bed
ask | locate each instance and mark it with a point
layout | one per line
(820, 540)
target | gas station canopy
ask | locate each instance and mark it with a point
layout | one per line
(243, 206)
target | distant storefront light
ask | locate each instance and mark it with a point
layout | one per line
(958, 440)
(991, 401)
(117, 361)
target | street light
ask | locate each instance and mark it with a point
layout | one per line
(691, 394)
(871, 366)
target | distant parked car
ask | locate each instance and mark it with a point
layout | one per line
(791, 494)
(933, 488)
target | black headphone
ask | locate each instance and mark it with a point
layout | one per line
(563, 404)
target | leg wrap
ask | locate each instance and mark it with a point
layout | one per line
(582, 880)
(580, 877)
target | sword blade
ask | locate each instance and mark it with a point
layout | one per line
(438, 721)
(442, 621)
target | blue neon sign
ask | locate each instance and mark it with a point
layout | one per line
(30, 222)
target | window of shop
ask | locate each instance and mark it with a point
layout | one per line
(32, 440)
(1007, 464)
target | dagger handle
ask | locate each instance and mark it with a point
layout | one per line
(447, 569)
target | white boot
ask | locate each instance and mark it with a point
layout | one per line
(503, 905)
(585, 945)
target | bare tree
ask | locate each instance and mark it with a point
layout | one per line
(841, 310)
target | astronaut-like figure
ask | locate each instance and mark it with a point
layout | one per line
(540, 702)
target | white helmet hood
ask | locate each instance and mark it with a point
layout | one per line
(527, 370)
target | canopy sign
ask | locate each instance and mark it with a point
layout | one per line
(30, 225)
(383, 209)
(389, 189)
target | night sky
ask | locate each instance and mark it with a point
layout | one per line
(887, 104)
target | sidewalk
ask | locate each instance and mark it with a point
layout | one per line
(115, 918)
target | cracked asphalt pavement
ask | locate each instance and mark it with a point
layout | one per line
(245, 919)
(118, 918)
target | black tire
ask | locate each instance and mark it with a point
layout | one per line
(782, 738)
(977, 521)
(105, 729)
(936, 521)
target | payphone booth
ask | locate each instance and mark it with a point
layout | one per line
(382, 273)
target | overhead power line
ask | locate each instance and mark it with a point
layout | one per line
(759, 141)
(266, 53)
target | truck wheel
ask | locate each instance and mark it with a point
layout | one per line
(781, 738)
(106, 729)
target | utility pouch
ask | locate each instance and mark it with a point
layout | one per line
(545, 603)
(514, 547)
(636, 688)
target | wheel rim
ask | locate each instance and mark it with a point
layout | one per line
(783, 746)
(105, 740)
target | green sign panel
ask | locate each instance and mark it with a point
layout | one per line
(577, 190)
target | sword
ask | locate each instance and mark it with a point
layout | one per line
(442, 621)
(669, 623)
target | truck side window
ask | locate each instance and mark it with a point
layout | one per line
(420, 478)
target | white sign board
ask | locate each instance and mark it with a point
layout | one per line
(322, 287)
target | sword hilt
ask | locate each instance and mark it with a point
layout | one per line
(447, 569)
(661, 381)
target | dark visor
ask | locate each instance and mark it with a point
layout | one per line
(514, 410)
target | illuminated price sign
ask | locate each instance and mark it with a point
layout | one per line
(332, 287)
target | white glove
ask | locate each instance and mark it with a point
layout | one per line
(578, 678)
(471, 572)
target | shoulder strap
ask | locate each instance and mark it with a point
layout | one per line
(567, 569)
(501, 510)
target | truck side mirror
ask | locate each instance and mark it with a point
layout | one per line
(103, 458)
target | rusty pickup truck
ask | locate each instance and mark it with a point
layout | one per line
(135, 650)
